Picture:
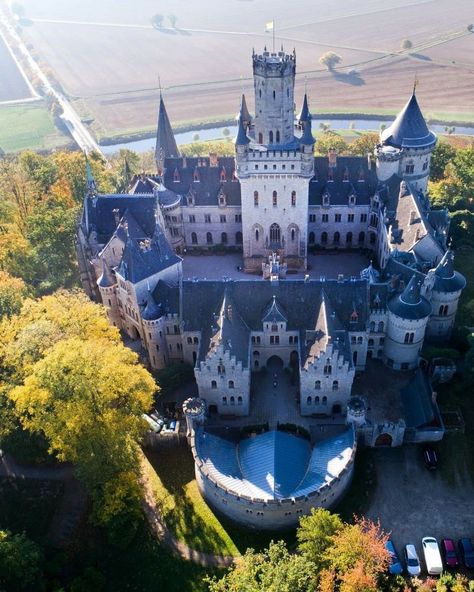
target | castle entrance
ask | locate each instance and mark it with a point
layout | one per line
(275, 363)
(384, 440)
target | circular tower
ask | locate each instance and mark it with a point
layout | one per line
(408, 315)
(194, 410)
(356, 411)
(107, 284)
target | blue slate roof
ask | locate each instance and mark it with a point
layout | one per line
(409, 130)
(410, 304)
(165, 141)
(447, 279)
(273, 465)
(417, 402)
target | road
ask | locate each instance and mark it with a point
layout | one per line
(77, 129)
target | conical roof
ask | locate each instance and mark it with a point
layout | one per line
(446, 278)
(165, 141)
(410, 304)
(409, 130)
(304, 114)
(307, 138)
(152, 310)
(107, 279)
(247, 118)
(370, 274)
(241, 139)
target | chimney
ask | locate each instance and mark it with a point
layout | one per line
(412, 216)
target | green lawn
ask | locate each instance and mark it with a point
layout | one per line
(184, 510)
(28, 126)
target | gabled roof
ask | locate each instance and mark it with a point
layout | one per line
(165, 142)
(370, 274)
(274, 313)
(409, 130)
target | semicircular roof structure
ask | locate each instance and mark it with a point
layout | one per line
(273, 465)
(409, 130)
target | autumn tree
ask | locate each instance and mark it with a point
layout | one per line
(330, 60)
(364, 144)
(12, 293)
(274, 569)
(315, 534)
(330, 140)
(442, 155)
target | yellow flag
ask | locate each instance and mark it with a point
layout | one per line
(269, 26)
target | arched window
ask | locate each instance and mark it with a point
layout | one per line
(349, 238)
(335, 385)
(256, 235)
(275, 233)
(317, 385)
(308, 400)
(255, 198)
(224, 238)
(260, 135)
(328, 369)
(231, 384)
(256, 354)
(213, 384)
(359, 340)
(270, 137)
(293, 234)
(293, 198)
(354, 358)
(190, 339)
(409, 337)
(260, 93)
(361, 237)
(239, 400)
(195, 340)
(238, 238)
(224, 400)
(256, 364)
(221, 368)
(232, 400)
(209, 238)
(324, 238)
(381, 326)
(371, 343)
(311, 238)
(275, 198)
(316, 400)
(278, 137)
(325, 400)
(372, 326)
(274, 95)
(194, 238)
(337, 238)
(372, 238)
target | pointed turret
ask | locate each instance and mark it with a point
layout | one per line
(304, 114)
(307, 138)
(446, 278)
(409, 130)
(91, 186)
(107, 279)
(370, 274)
(241, 139)
(244, 112)
(165, 142)
(410, 304)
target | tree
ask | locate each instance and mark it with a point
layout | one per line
(315, 534)
(364, 144)
(274, 569)
(20, 561)
(406, 44)
(357, 556)
(330, 60)
(172, 19)
(157, 21)
(331, 140)
(442, 155)
(87, 397)
(12, 293)
(226, 132)
(195, 137)
(470, 28)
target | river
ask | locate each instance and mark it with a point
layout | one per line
(216, 133)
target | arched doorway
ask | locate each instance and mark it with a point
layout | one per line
(294, 359)
(384, 440)
(275, 363)
(336, 409)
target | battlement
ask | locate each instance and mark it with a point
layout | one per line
(274, 64)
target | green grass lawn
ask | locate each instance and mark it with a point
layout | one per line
(28, 126)
(184, 510)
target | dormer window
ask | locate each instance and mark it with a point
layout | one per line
(221, 199)
(361, 176)
(345, 176)
(223, 175)
(326, 198)
(330, 175)
(190, 199)
(196, 176)
(176, 177)
(354, 316)
(352, 199)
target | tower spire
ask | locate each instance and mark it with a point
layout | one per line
(166, 146)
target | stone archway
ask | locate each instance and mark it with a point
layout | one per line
(275, 363)
(384, 440)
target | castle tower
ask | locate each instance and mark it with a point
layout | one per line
(107, 284)
(274, 83)
(406, 146)
(165, 142)
(408, 315)
(447, 287)
(194, 410)
(274, 168)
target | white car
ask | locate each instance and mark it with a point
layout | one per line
(434, 563)
(412, 560)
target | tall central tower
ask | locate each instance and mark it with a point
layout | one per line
(274, 84)
(274, 167)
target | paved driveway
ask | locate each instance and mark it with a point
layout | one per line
(413, 502)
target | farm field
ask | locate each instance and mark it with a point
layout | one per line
(28, 125)
(108, 57)
(13, 86)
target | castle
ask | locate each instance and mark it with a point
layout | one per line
(275, 202)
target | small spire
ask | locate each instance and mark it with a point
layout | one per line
(241, 139)
(166, 146)
(246, 117)
(304, 113)
(307, 138)
(415, 84)
(91, 186)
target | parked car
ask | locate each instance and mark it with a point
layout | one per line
(431, 458)
(412, 560)
(396, 567)
(466, 550)
(449, 552)
(434, 563)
